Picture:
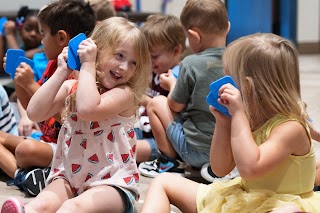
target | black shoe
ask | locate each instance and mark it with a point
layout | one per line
(162, 164)
(32, 181)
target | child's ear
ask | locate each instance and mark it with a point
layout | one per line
(63, 38)
(229, 26)
(177, 50)
(195, 35)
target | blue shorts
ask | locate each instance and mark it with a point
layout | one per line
(187, 152)
(151, 141)
(129, 199)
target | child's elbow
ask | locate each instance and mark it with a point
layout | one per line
(32, 115)
(85, 114)
(248, 173)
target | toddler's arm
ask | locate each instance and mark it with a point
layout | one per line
(315, 134)
(221, 158)
(49, 99)
(288, 138)
(10, 34)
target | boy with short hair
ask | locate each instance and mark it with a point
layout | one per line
(166, 41)
(102, 9)
(182, 123)
(59, 22)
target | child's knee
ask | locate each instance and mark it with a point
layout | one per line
(71, 205)
(24, 151)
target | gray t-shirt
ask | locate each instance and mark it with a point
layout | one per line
(197, 72)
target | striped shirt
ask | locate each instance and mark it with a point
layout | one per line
(7, 120)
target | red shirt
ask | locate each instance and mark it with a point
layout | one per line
(50, 127)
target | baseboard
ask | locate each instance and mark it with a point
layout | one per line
(309, 48)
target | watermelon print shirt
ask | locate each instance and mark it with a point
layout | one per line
(97, 153)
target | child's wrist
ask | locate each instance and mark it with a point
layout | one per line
(88, 65)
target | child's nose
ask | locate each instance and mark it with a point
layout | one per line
(124, 65)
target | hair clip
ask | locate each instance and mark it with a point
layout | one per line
(20, 21)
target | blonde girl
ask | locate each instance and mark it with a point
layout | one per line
(267, 138)
(94, 168)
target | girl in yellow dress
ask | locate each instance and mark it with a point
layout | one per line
(267, 138)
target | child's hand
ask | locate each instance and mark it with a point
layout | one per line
(26, 126)
(87, 51)
(9, 27)
(62, 59)
(230, 97)
(167, 80)
(219, 116)
(24, 75)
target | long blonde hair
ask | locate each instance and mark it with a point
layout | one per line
(271, 64)
(108, 35)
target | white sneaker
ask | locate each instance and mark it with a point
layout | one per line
(209, 176)
(156, 167)
(149, 168)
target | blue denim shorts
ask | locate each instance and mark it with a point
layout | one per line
(130, 199)
(187, 152)
(151, 141)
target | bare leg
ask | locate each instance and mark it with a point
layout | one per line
(102, 199)
(51, 198)
(8, 144)
(291, 208)
(8, 162)
(169, 188)
(11, 141)
(143, 151)
(31, 153)
(160, 117)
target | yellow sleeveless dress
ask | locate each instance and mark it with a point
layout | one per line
(291, 182)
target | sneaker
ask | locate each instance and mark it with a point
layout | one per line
(209, 176)
(13, 205)
(31, 181)
(161, 165)
(149, 168)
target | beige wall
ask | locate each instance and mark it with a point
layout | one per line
(308, 21)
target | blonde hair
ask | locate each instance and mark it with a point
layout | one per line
(164, 30)
(271, 64)
(209, 16)
(108, 35)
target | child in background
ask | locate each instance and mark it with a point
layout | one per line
(96, 145)
(182, 123)
(28, 27)
(267, 138)
(59, 22)
(7, 118)
(102, 9)
(166, 41)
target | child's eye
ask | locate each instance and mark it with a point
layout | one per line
(28, 29)
(134, 63)
(119, 55)
(154, 56)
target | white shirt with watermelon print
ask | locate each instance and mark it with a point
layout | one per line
(97, 153)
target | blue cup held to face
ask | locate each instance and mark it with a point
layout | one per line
(213, 96)
(73, 58)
